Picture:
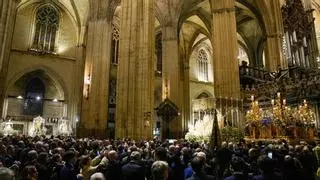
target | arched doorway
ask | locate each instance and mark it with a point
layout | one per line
(35, 93)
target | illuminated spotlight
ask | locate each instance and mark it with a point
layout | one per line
(55, 100)
(19, 97)
(38, 98)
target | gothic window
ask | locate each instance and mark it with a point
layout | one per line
(46, 27)
(203, 65)
(115, 45)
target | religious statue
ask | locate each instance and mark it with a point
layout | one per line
(64, 127)
(8, 128)
(38, 127)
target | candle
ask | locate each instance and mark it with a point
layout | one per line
(252, 97)
(284, 101)
(272, 101)
(278, 94)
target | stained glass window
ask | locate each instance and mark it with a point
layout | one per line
(46, 26)
(202, 65)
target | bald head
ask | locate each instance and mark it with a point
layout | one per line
(112, 155)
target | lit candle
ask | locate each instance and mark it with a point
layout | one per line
(252, 97)
(272, 101)
(278, 94)
(284, 101)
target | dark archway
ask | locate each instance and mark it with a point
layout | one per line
(34, 95)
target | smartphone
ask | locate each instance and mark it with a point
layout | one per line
(270, 155)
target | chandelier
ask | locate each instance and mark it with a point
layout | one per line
(305, 114)
(255, 113)
(281, 113)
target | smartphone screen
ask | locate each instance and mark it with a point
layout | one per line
(270, 155)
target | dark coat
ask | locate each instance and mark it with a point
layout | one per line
(68, 172)
(133, 170)
(113, 170)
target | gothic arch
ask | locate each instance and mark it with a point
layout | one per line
(58, 81)
(203, 92)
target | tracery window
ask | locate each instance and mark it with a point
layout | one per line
(47, 23)
(203, 65)
(115, 45)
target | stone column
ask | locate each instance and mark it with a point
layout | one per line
(224, 41)
(8, 10)
(273, 47)
(172, 74)
(93, 120)
(273, 52)
(75, 99)
(135, 77)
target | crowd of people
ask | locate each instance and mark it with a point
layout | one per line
(67, 158)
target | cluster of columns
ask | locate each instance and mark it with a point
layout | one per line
(226, 69)
(8, 11)
(135, 89)
(94, 112)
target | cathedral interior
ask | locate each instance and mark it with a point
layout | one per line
(140, 68)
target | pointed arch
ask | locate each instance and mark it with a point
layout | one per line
(54, 76)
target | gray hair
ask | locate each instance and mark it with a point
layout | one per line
(159, 170)
(6, 174)
(97, 176)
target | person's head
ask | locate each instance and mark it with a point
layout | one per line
(237, 164)
(202, 154)
(43, 158)
(160, 170)
(112, 155)
(56, 158)
(84, 161)
(224, 144)
(197, 164)
(266, 164)
(29, 173)
(6, 174)
(69, 157)
(32, 155)
(253, 152)
(161, 154)
(97, 176)
(135, 156)
(171, 148)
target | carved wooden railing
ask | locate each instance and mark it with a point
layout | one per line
(254, 73)
(295, 83)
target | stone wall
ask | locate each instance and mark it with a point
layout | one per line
(50, 109)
